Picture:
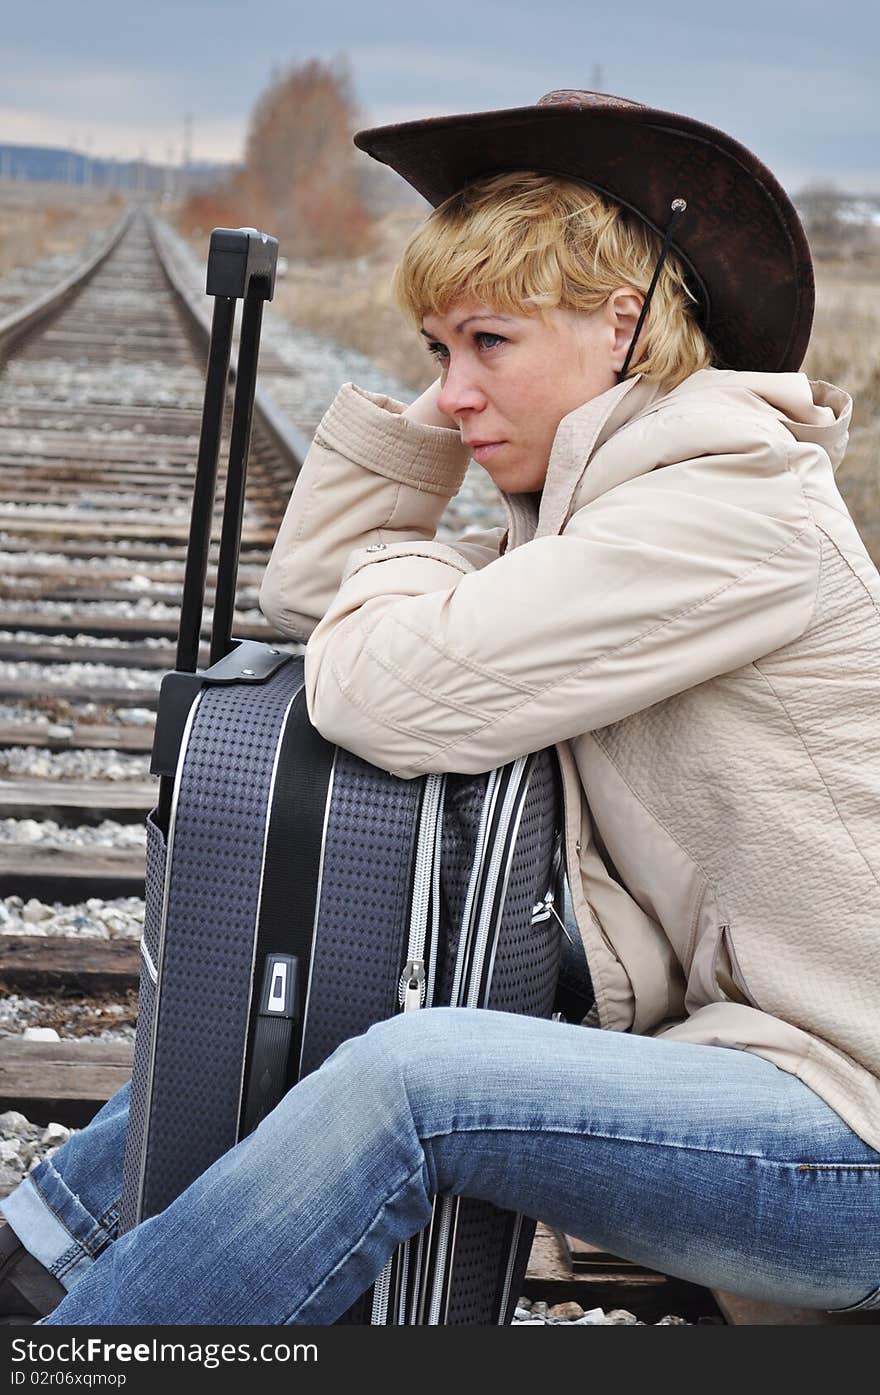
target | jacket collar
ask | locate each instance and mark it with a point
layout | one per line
(578, 435)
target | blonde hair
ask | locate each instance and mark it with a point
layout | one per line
(524, 239)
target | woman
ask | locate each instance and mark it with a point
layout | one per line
(619, 300)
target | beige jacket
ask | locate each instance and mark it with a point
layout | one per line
(689, 614)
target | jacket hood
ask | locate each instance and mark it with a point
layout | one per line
(812, 411)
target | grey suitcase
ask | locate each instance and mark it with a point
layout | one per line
(297, 894)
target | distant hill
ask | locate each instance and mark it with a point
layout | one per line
(60, 166)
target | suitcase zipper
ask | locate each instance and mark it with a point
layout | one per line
(442, 1275)
(440, 1212)
(413, 984)
(502, 847)
(489, 799)
(415, 988)
(543, 910)
(511, 1259)
(472, 956)
(381, 1289)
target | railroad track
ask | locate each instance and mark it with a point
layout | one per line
(100, 406)
(101, 387)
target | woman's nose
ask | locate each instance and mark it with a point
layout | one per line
(460, 392)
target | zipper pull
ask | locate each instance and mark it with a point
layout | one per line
(412, 985)
(540, 911)
(547, 908)
(565, 930)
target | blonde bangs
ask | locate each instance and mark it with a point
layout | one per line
(524, 242)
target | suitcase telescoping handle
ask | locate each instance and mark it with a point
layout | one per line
(241, 266)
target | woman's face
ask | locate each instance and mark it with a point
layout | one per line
(508, 380)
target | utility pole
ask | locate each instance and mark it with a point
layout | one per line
(597, 79)
(186, 155)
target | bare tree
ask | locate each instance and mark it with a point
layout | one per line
(300, 171)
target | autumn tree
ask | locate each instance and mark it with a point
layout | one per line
(300, 174)
(300, 177)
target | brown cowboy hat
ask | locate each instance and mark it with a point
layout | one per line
(740, 238)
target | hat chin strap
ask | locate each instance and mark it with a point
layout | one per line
(678, 208)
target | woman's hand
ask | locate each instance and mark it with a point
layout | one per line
(426, 411)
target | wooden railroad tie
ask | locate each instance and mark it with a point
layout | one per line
(70, 873)
(40, 963)
(63, 1082)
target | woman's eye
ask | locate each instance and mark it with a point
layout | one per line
(440, 351)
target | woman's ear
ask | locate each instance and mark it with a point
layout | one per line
(623, 308)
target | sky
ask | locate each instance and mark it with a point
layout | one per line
(794, 80)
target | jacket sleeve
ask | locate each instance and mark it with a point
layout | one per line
(423, 664)
(371, 475)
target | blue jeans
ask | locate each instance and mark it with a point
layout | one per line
(700, 1161)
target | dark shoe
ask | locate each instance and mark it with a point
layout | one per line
(27, 1290)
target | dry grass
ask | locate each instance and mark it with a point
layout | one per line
(47, 220)
(351, 301)
(845, 349)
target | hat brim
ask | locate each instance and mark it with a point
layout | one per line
(741, 236)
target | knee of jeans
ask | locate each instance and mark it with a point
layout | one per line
(402, 1060)
(410, 1040)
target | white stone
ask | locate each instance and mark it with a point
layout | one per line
(40, 1034)
(34, 911)
(595, 1317)
(29, 831)
(54, 1134)
(13, 1122)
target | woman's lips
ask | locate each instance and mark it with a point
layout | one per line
(481, 453)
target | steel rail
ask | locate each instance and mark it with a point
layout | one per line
(26, 317)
